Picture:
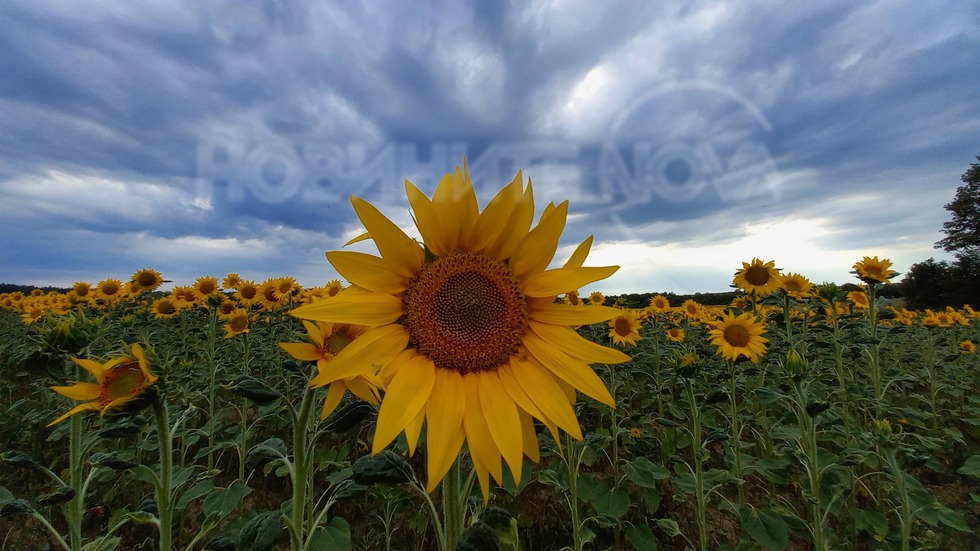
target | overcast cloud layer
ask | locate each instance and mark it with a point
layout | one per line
(207, 138)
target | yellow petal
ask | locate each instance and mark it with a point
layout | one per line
(483, 476)
(403, 254)
(547, 395)
(529, 438)
(314, 331)
(478, 436)
(572, 370)
(523, 401)
(360, 387)
(546, 310)
(537, 248)
(413, 430)
(93, 367)
(405, 397)
(363, 237)
(577, 346)
(426, 221)
(550, 283)
(88, 406)
(516, 228)
(444, 419)
(368, 271)
(501, 418)
(581, 252)
(495, 217)
(365, 354)
(302, 351)
(353, 306)
(79, 391)
(334, 394)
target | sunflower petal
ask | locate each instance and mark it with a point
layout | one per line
(364, 354)
(517, 226)
(550, 283)
(501, 418)
(545, 310)
(334, 394)
(494, 218)
(577, 346)
(529, 438)
(547, 395)
(353, 306)
(371, 272)
(405, 397)
(478, 436)
(537, 248)
(444, 417)
(79, 391)
(402, 253)
(581, 252)
(572, 370)
(87, 406)
(413, 430)
(425, 220)
(302, 351)
(360, 387)
(93, 367)
(363, 237)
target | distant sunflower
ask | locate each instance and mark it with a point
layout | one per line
(118, 381)
(625, 328)
(269, 296)
(82, 291)
(675, 334)
(571, 298)
(796, 286)
(968, 347)
(206, 286)
(184, 296)
(691, 308)
(147, 279)
(739, 336)
(758, 278)
(109, 290)
(596, 298)
(333, 287)
(326, 341)
(164, 308)
(859, 299)
(231, 281)
(247, 292)
(659, 303)
(465, 327)
(236, 323)
(871, 270)
(284, 288)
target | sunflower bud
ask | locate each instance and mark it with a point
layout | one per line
(796, 364)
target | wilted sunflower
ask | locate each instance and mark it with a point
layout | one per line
(147, 279)
(871, 270)
(326, 341)
(466, 327)
(625, 328)
(739, 336)
(758, 278)
(796, 286)
(118, 381)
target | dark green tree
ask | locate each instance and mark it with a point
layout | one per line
(963, 231)
(927, 284)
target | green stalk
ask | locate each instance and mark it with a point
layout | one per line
(300, 471)
(76, 506)
(166, 474)
(700, 497)
(736, 432)
(575, 451)
(453, 505)
(212, 387)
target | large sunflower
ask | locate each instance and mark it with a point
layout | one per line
(147, 279)
(118, 381)
(625, 328)
(758, 278)
(739, 336)
(465, 327)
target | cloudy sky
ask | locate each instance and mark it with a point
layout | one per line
(213, 137)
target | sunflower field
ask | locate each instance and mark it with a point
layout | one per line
(457, 392)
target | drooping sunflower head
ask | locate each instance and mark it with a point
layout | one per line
(758, 278)
(871, 270)
(740, 335)
(465, 325)
(147, 279)
(796, 286)
(119, 381)
(859, 299)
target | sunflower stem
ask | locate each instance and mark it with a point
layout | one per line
(212, 387)
(77, 503)
(165, 511)
(453, 505)
(736, 432)
(301, 467)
